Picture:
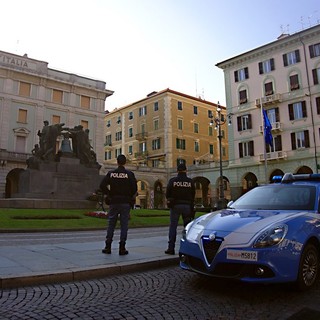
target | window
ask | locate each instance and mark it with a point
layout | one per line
(130, 150)
(242, 74)
(179, 105)
(314, 50)
(244, 122)
(291, 58)
(118, 152)
(119, 136)
(25, 89)
(316, 76)
(297, 110)
(276, 145)
(108, 140)
(108, 123)
(22, 115)
(196, 127)
(85, 102)
(266, 66)
(20, 144)
(156, 144)
(130, 132)
(268, 88)
(85, 124)
(294, 82)
(246, 149)
(179, 160)
(155, 163)
(130, 117)
(210, 131)
(196, 146)
(156, 124)
(300, 140)
(142, 147)
(107, 155)
(118, 119)
(195, 110)
(156, 106)
(142, 111)
(56, 119)
(211, 149)
(180, 124)
(57, 96)
(273, 115)
(243, 96)
(210, 114)
(181, 144)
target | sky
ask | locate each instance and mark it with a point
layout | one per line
(141, 46)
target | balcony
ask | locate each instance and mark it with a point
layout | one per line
(141, 155)
(274, 155)
(13, 156)
(276, 127)
(271, 99)
(141, 136)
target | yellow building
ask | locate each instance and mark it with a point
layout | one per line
(164, 129)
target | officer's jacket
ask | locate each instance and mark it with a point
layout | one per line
(120, 185)
(181, 189)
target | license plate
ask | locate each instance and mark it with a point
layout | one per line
(242, 255)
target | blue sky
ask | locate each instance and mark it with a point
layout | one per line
(140, 46)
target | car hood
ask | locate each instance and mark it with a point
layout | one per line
(239, 226)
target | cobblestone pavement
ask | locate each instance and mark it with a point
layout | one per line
(168, 293)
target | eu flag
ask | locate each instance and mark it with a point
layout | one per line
(267, 129)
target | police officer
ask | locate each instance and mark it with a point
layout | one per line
(120, 187)
(180, 195)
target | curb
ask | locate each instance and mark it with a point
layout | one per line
(9, 282)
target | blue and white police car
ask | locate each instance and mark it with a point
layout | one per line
(271, 234)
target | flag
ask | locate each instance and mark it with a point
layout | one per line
(267, 129)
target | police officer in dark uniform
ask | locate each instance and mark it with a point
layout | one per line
(120, 187)
(180, 195)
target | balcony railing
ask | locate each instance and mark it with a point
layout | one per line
(141, 155)
(274, 155)
(272, 98)
(142, 136)
(14, 156)
(276, 126)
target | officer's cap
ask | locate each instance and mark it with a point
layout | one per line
(182, 167)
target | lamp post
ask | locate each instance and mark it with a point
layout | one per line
(219, 121)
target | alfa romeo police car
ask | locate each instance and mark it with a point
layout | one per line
(269, 235)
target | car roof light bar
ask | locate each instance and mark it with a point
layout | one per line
(289, 177)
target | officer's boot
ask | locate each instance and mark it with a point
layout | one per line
(122, 248)
(107, 248)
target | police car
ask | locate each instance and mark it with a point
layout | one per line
(269, 235)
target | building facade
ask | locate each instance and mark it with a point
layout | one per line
(31, 93)
(161, 131)
(283, 79)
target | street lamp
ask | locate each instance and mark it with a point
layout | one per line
(219, 121)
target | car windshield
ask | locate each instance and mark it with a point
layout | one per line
(278, 197)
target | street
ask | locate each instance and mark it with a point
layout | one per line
(167, 293)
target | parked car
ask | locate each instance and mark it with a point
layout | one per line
(198, 206)
(269, 235)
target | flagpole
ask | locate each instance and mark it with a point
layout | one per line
(264, 143)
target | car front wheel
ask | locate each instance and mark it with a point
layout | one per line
(309, 267)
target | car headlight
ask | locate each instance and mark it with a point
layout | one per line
(271, 237)
(185, 230)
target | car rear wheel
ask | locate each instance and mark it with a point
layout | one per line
(309, 267)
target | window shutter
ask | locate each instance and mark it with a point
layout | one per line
(304, 109)
(306, 139)
(291, 115)
(246, 72)
(285, 60)
(315, 76)
(236, 79)
(311, 50)
(239, 123)
(318, 105)
(277, 114)
(297, 53)
(249, 122)
(240, 150)
(293, 141)
(251, 151)
(272, 64)
(278, 143)
(260, 68)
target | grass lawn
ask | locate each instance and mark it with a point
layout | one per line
(60, 219)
